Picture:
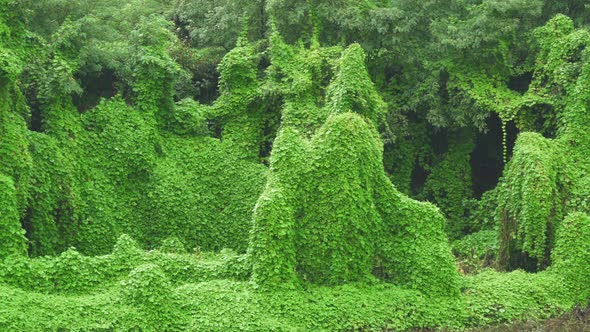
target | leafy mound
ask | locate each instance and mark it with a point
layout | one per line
(269, 208)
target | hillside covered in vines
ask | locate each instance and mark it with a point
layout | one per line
(272, 165)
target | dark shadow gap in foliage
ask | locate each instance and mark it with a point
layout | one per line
(96, 86)
(36, 120)
(419, 176)
(520, 83)
(486, 159)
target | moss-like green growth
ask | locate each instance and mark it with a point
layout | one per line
(148, 289)
(298, 74)
(154, 71)
(74, 273)
(15, 158)
(202, 193)
(237, 107)
(90, 178)
(272, 241)
(476, 251)
(493, 297)
(189, 118)
(272, 237)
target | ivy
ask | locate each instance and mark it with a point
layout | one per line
(342, 219)
(13, 240)
(320, 238)
(570, 256)
(542, 182)
(237, 106)
(531, 204)
(351, 89)
(16, 161)
(132, 288)
(449, 184)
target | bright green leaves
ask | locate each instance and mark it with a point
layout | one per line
(449, 184)
(10, 65)
(571, 256)
(15, 159)
(297, 73)
(342, 220)
(414, 250)
(562, 74)
(11, 234)
(189, 118)
(11, 43)
(124, 136)
(336, 238)
(238, 80)
(154, 72)
(352, 89)
(325, 175)
(54, 198)
(59, 83)
(202, 193)
(272, 246)
(530, 200)
(146, 286)
(544, 180)
(148, 289)
(142, 163)
(553, 32)
(239, 106)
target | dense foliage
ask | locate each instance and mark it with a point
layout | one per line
(292, 165)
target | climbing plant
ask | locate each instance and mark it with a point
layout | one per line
(288, 198)
(344, 221)
(544, 175)
(13, 240)
(450, 182)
